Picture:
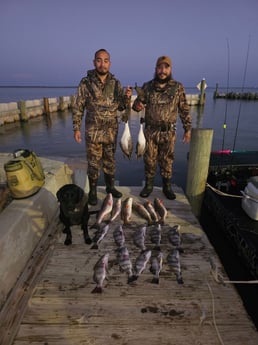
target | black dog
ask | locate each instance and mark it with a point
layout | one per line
(74, 210)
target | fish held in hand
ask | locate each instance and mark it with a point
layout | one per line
(126, 142)
(100, 273)
(156, 266)
(160, 209)
(141, 143)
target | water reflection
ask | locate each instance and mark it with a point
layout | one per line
(52, 136)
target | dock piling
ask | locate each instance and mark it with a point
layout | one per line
(198, 166)
(23, 112)
(46, 106)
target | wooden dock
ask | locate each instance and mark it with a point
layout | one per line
(53, 304)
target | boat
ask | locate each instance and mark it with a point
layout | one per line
(227, 200)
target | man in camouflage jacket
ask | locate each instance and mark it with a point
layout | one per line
(163, 98)
(102, 95)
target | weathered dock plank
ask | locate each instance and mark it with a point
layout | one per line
(62, 309)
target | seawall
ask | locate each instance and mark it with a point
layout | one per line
(25, 110)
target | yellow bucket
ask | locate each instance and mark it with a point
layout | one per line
(24, 173)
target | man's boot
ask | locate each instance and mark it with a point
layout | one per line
(110, 186)
(148, 188)
(167, 190)
(92, 197)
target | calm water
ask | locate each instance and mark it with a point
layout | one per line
(53, 136)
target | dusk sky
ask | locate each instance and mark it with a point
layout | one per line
(52, 42)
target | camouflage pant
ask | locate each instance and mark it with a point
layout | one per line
(100, 150)
(159, 151)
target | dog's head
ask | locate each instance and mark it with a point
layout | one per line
(69, 196)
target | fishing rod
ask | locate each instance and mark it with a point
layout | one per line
(223, 151)
(242, 89)
(226, 107)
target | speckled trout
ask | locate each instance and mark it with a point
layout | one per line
(126, 210)
(160, 209)
(104, 211)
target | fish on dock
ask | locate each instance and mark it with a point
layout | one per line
(139, 237)
(140, 264)
(141, 142)
(142, 211)
(126, 210)
(124, 262)
(99, 235)
(104, 211)
(126, 142)
(156, 266)
(100, 272)
(160, 209)
(116, 209)
(174, 237)
(173, 260)
(119, 236)
(155, 236)
(150, 208)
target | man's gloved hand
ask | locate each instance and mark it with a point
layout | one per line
(137, 106)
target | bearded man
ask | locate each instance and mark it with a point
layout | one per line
(102, 96)
(163, 99)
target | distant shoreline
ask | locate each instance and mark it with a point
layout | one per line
(75, 87)
(37, 86)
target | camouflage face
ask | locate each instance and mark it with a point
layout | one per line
(102, 62)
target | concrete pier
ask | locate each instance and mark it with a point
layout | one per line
(25, 110)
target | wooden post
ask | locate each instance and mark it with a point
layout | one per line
(198, 167)
(23, 112)
(46, 106)
(61, 106)
(202, 94)
(216, 93)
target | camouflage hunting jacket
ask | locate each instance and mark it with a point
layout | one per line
(162, 105)
(101, 101)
